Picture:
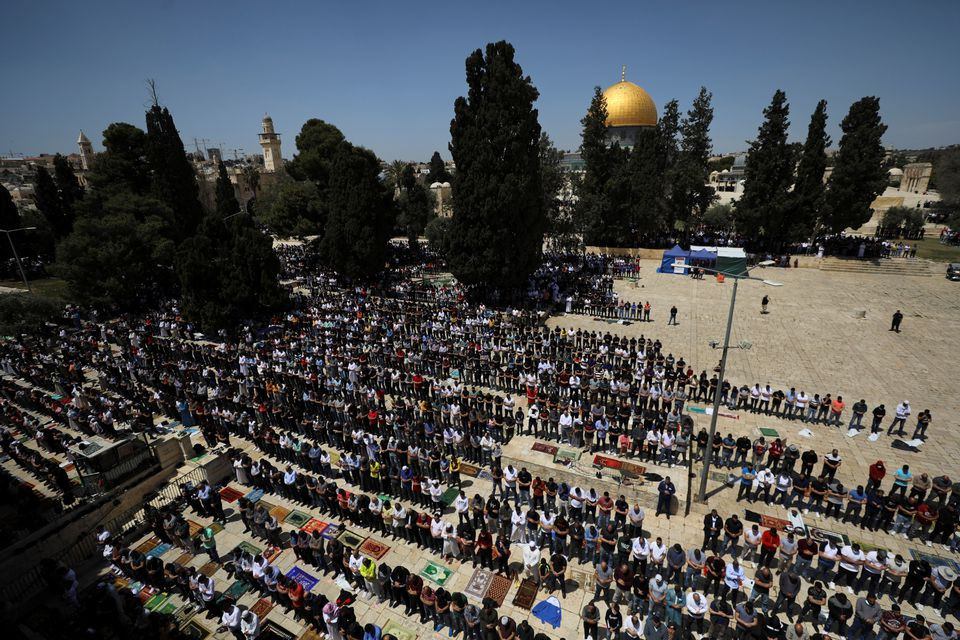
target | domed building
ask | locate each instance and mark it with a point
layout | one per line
(630, 109)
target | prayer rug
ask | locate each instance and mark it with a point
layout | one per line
(769, 433)
(821, 535)
(297, 519)
(498, 589)
(479, 583)
(272, 553)
(331, 531)
(526, 594)
(695, 409)
(768, 522)
(469, 470)
(270, 630)
(194, 629)
(168, 609)
(249, 548)
(934, 560)
(450, 495)
(146, 593)
(566, 456)
(236, 590)
(255, 495)
(304, 578)
(400, 633)
(262, 607)
(438, 574)
(184, 613)
(350, 539)
(374, 548)
(314, 525)
(157, 601)
(195, 528)
(148, 545)
(216, 527)
(230, 494)
(209, 569)
(183, 559)
(266, 505)
(544, 447)
(280, 513)
(159, 550)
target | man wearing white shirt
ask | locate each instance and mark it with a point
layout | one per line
(851, 557)
(658, 552)
(732, 581)
(249, 625)
(696, 609)
(566, 421)
(461, 503)
(531, 561)
(641, 554)
(230, 620)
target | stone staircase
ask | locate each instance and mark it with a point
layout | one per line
(885, 266)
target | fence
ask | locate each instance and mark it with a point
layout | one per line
(16, 590)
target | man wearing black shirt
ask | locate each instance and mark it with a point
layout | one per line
(807, 461)
(558, 568)
(917, 574)
(732, 530)
(591, 619)
(614, 621)
(640, 595)
(712, 526)
(398, 585)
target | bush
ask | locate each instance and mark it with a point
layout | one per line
(23, 312)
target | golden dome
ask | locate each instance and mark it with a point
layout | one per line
(629, 106)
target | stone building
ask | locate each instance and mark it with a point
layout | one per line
(916, 177)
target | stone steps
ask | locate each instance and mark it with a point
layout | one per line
(892, 266)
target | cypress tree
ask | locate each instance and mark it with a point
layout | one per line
(597, 205)
(9, 214)
(226, 199)
(415, 206)
(668, 154)
(646, 183)
(809, 190)
(858, 176)
(174, 181)
(763, 210)
(360, 214)
(438, 170)
(496, 235)
(70, 193)
(691, 192)
(47, 197)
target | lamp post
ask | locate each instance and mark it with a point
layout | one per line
(23, 274)
(708, 453)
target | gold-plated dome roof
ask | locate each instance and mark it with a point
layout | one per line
(629, 106)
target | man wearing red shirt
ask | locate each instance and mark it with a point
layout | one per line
(769, 543)
(877, 472)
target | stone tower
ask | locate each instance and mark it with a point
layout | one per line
(86, 152)
(270, 141)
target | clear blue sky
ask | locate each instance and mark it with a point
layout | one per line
(387, 73)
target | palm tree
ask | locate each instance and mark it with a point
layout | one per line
(394, 175)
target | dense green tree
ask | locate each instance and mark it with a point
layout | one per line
(602, 217)
(718, 217)
(557, 207)
(415, 206)
(902, 221)
(70, 193)
(9, 214)
(39, 242)
(294, 209)
(858, 176)
(763, 211)
(646, 184)
(228, 272)
(809, 190)
(668, 156)
(317, 144)
(47, 198)
(119, 255)
(173, 178)
(360, 214)
(690, 192)
(946, 168)
(438, 170)
(496, 237)
(436, 233)
(224, 195)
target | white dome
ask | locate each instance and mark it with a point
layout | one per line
(445, 185)
(895, 172)
(435, 185)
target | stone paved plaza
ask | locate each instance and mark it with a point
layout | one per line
(812, 339)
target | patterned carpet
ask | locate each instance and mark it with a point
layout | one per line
(498, 589)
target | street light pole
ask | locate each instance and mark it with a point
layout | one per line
(23, 274)
(708, 454)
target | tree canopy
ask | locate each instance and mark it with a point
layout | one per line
(173, 178)
(293, 209)
(691, 193)
(438, 170)
(763, 211)
(809, 190)
(496, 236)
(858, 176)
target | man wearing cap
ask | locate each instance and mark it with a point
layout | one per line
(940, 582)
(658, 595)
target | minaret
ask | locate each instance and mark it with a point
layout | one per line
(270, 141)
(86, 152)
